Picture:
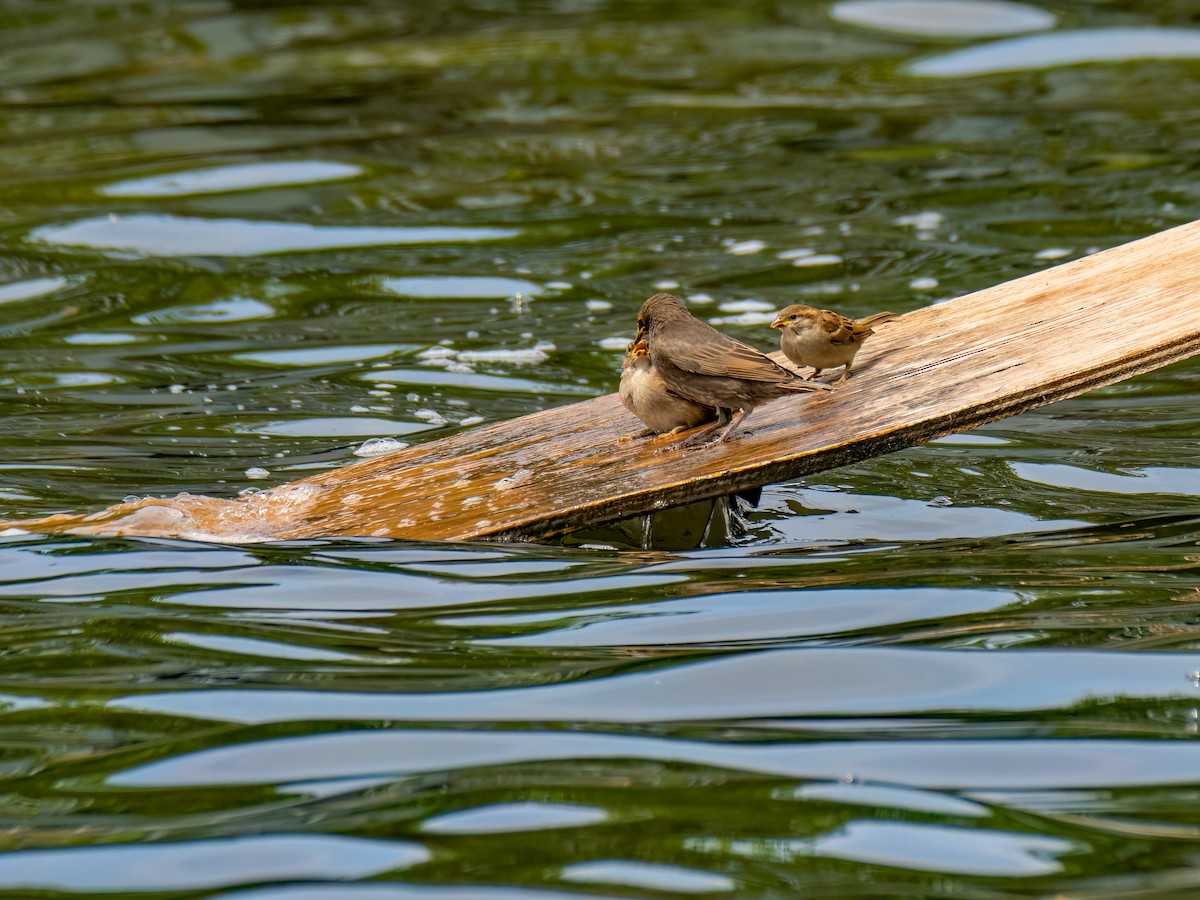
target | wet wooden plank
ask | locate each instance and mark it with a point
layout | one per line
(942, 369)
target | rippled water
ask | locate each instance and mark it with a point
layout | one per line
(247, 237)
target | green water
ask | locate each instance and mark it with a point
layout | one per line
(254, 235)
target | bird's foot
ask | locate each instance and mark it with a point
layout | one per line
(828, 380)
(626, 438)
(695, 442)
(698, 441)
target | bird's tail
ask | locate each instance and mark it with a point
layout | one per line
(801, 385)
(877, 318)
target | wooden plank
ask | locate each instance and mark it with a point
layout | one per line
(942, 369)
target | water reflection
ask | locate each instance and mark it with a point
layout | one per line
(942, 765)
(197, 865)
(675, 879)
(473, 288)
(174, 236)
(507, 817)
(247, 177)
(811, 682)
(1063, 48)
(27, 290)
(944, 18)
(735, 616)
(932, 848)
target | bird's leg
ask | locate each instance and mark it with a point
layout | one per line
(734, 423)
(828, 379)
(700, 438)
(841, 379)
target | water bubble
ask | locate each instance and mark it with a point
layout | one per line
(746, 248)
(432, 416)
(819, 259)
(377, 446)
(518, 477)
(941, 501)
(257, 472)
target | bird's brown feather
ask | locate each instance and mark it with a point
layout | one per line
(695, 346)
(708, 352)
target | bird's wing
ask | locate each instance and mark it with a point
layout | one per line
(877, 318)
(841, 330)
(706, 351)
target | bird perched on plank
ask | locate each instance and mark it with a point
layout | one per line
(700, 364)
(645, 394)
(822, 338)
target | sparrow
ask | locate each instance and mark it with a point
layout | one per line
(646, 396)
(700, 364)
(822, 338)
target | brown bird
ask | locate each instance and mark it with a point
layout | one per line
(822, 338)
(646, 396)
(698, 363)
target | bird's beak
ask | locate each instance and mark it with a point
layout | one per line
(779, 322)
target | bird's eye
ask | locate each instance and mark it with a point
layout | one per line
(794, 317)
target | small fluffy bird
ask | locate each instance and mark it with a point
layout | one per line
(645, 394)
(822, 338)
(698, 363)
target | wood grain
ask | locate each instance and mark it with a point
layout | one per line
(945, 368)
